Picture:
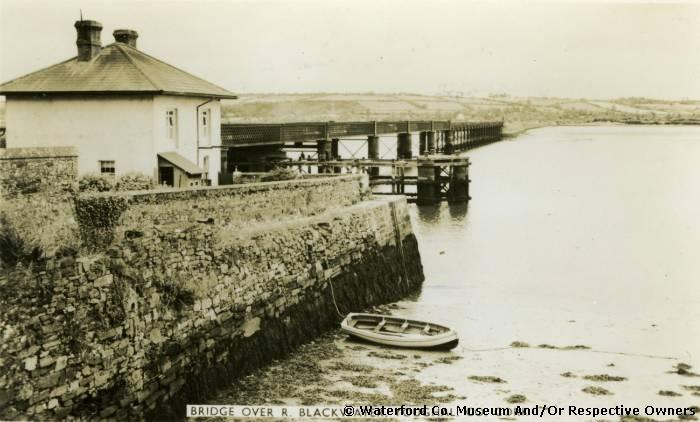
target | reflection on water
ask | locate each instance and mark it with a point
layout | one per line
(458, 212)
(433, 214)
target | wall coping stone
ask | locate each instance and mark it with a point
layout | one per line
(226, 190)
(37, 152)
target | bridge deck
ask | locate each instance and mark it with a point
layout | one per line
(247, 134)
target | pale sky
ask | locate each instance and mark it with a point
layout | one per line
(593, 49)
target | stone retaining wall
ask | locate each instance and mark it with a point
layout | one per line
(32, 170)
(170, 312)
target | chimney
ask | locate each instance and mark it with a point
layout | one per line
(88, 41)
(126, 36)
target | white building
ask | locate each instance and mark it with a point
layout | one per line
(124, 111)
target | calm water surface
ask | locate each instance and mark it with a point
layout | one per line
(575, 236)
(597, 225)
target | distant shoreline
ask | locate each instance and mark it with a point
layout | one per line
(524, 130)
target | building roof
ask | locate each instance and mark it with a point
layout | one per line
(180, 162)
(117, 69)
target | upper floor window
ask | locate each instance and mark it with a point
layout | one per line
(171, 125)
(205, 126)
(107, 168)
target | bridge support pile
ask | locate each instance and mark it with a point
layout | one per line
(373, 153)
(440, 179)
(404, 146)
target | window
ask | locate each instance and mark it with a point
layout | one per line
(205, 126)
(107, 168)
(171, 125)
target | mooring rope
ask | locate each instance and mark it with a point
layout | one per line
(330, 283)
(399, 245)
(397, 237)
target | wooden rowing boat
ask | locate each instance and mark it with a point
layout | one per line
(399, 332)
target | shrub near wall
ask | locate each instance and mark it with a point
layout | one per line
(93, 182)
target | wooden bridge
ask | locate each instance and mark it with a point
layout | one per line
(437, 173)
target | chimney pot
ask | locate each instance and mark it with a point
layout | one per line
(88, 41)
(126, 36)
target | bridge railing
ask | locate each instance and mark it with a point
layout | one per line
(252, 134)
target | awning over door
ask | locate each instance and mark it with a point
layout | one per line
(181, 162)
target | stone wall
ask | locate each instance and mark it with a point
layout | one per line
(248, 203)
(32, 170)
(171, 311)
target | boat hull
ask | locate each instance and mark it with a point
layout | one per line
(399, 332)
(448, 345)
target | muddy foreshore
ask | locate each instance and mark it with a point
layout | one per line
(335, 370)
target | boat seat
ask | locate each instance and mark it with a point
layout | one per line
(426, 330)
(380, 325)
(404, 326)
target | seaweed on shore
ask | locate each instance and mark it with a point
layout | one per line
(283, 377)
(448, 359)
(669, 393)
(403, 391)
(684, 370)
(604, 378)
(597, 391)
(413, 392)
(516, 398)
(386, 355)
(574, 347)
(694, 389)
(350, 367)
(487, 378)
(362, 381)
(356, 347)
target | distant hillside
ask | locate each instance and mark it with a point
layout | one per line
(518, 113)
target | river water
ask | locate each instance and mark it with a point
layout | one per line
(584, 236)
(595, 224)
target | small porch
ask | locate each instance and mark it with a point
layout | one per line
(177, 171)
